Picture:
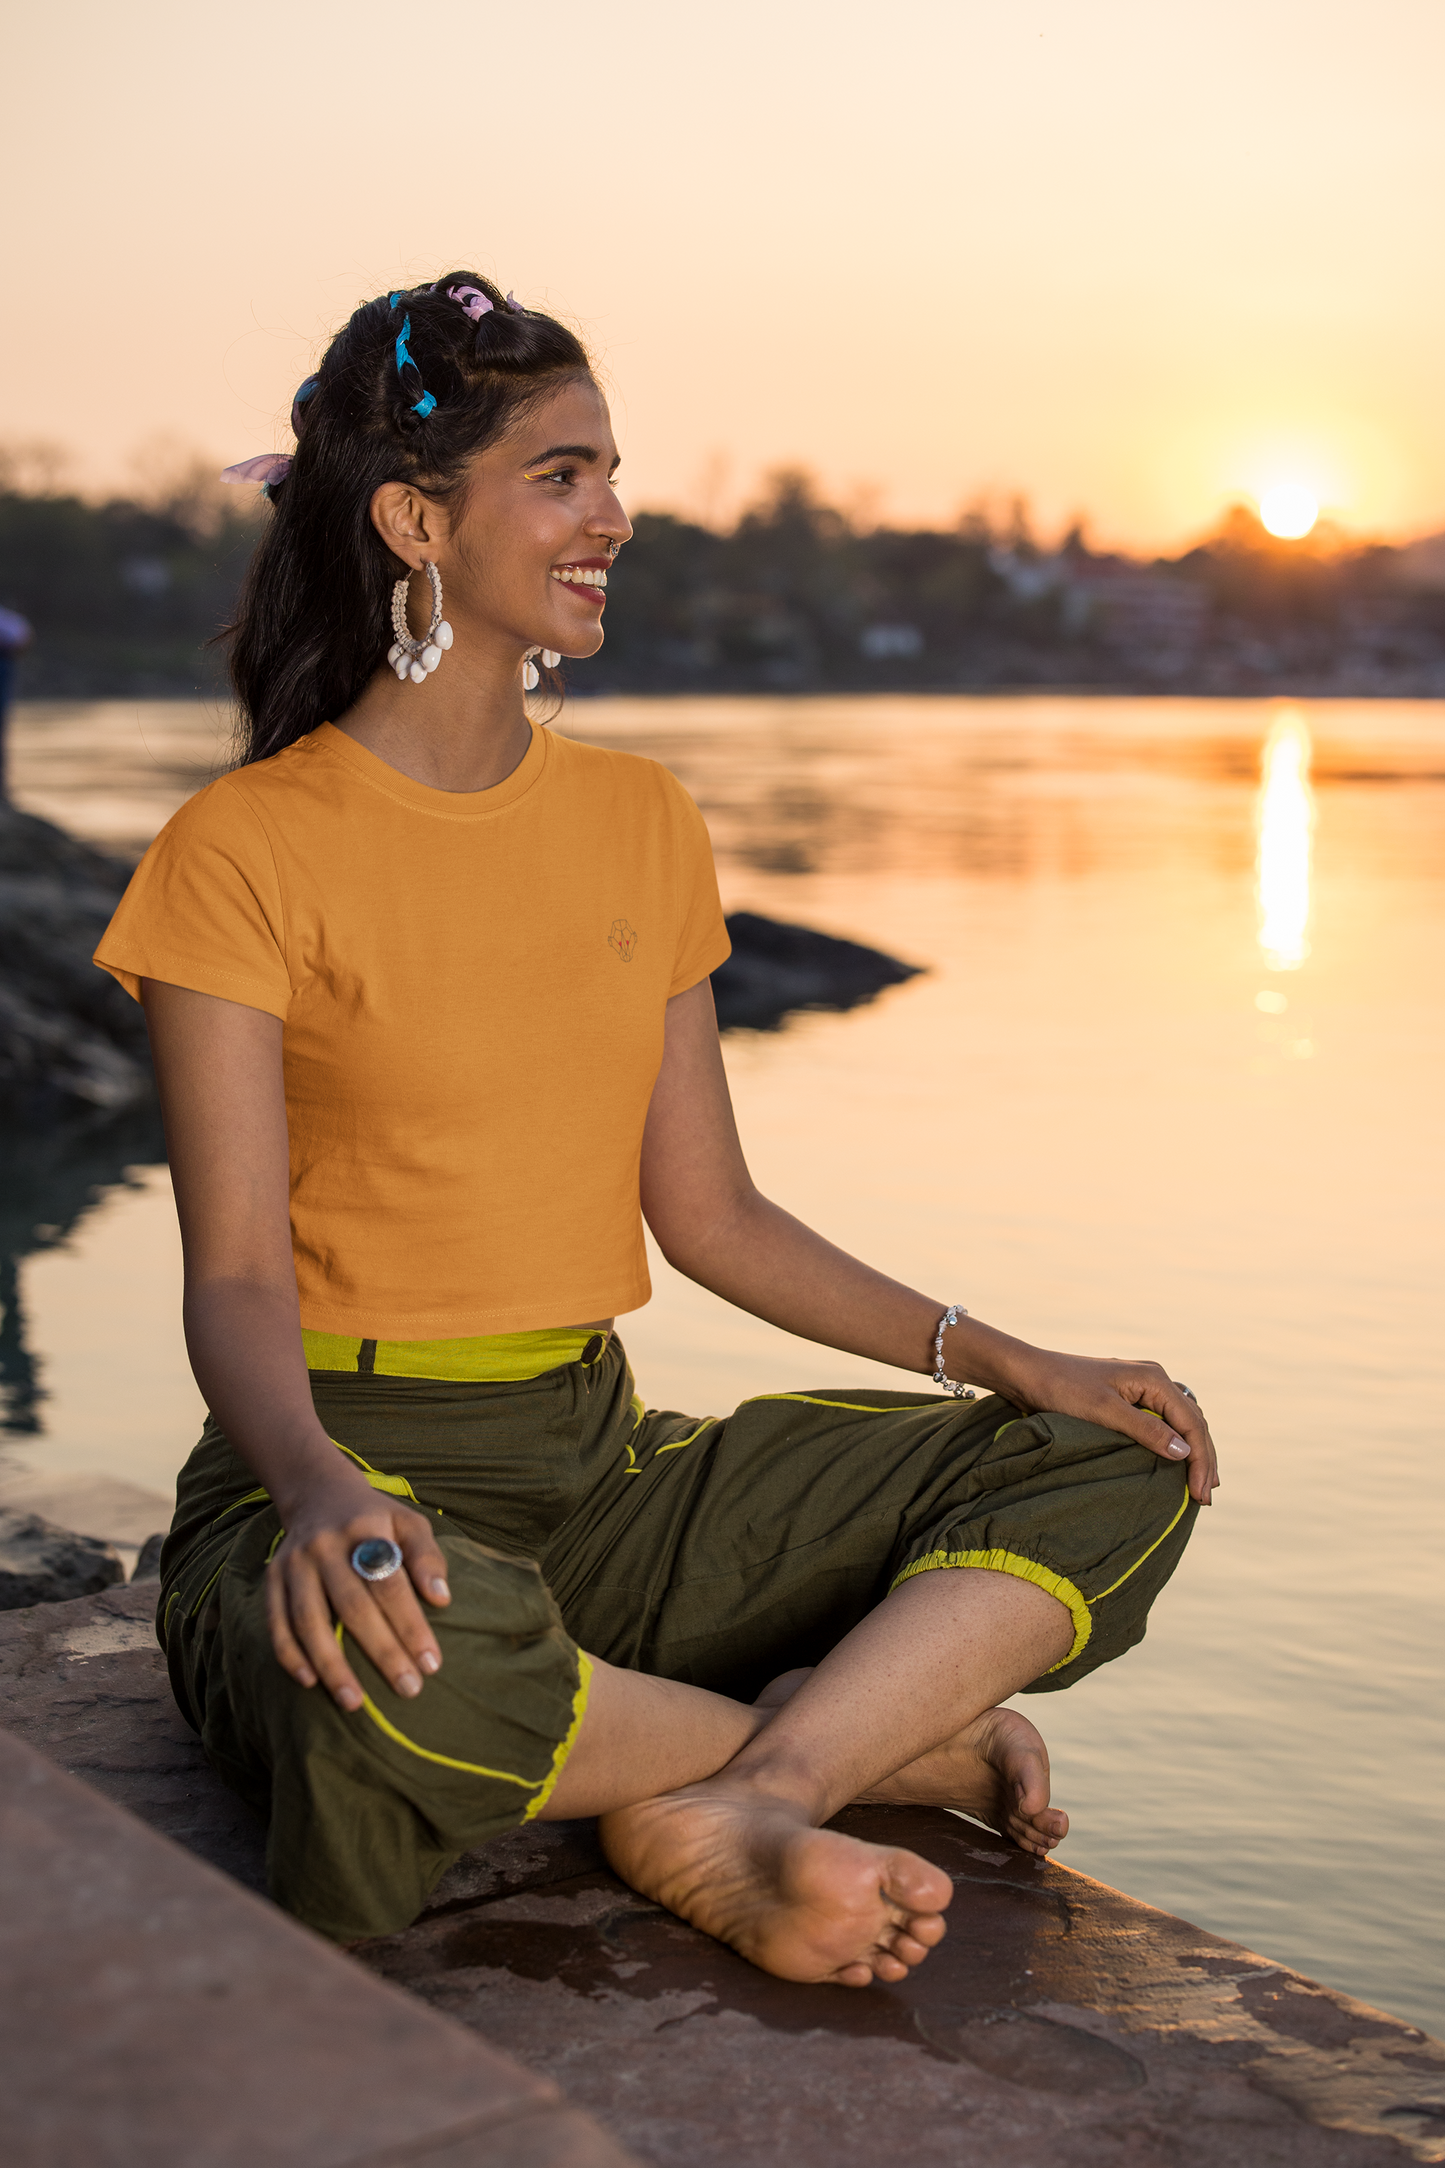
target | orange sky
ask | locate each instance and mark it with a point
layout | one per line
(1131, 257)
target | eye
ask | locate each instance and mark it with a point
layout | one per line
(565, 475)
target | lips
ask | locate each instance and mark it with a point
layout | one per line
(587, 578)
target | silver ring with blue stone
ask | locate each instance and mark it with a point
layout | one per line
(377, 1558)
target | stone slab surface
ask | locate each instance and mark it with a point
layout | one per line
(156, 2012)
(1060, 2022)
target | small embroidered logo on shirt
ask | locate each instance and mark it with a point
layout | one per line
(623, 938)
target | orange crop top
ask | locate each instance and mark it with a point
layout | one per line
(472, 987)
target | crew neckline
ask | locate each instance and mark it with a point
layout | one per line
(456, 805)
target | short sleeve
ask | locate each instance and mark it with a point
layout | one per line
(204, 908)
(702, 935)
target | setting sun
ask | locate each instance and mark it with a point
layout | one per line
(1289, 510)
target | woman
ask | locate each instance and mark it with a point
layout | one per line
(428, 992)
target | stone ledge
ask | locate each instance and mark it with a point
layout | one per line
(167, 2016)
(1059, 2020)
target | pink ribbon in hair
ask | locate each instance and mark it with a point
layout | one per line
(472, 299)
(265, 467)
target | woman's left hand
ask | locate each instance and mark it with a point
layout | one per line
(1138, 1398)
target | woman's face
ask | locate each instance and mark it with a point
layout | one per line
(526, 557)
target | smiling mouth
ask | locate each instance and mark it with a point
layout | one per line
(591, 579)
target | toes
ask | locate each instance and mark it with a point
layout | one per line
(1039, 1833)
(904, 1947)
(857, 1975)
(914, 1886)
(888, 1967)
(1031, 1786)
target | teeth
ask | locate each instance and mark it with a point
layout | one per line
(574, 576)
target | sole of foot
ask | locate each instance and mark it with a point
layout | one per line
(996, 1769)
(802, 1903)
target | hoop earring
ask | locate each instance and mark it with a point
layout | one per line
(530, 675)
(416, 659)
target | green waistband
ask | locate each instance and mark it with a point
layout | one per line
(496, 1358)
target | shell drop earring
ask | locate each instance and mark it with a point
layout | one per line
(530, 677)
(411, 658)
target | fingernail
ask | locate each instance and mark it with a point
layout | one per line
(440, 1590)
(306, 1676)
(1179, 1449)
(428, 1662)
(349, 1698)
(407, 1682)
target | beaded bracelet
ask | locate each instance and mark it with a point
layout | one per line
(950, 1316)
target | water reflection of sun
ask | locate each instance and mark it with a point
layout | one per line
(1286, 818)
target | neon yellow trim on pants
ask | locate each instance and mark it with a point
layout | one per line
(396, 1486)
(853, 1407)
(1183, 1503)
(542, 1786)
(499, 1358)
(1055, 1583)
(565, 1746)
(691, 1439)
(1023, 1569)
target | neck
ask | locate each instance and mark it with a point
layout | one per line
(465, 729)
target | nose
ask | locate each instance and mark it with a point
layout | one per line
(611, 521)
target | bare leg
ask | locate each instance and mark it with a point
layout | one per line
(642, 1736)
(742, 1855)
(996, 1769)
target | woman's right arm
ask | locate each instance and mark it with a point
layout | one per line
(218, 1065)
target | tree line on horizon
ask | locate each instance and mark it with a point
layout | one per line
(127, 596)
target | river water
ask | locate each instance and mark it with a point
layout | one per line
(1170, 1086)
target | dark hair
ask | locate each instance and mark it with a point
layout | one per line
(312, 622)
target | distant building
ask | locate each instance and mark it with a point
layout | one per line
(1153, 615)
(1027, 576)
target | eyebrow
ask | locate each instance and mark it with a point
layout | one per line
(587, 452)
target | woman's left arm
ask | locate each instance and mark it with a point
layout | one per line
(712, 1224)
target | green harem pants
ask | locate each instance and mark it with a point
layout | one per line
(719, 1552)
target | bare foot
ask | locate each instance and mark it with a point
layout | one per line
(996, 1769)
(803, 1903)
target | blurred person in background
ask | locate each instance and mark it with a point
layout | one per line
(14, 638)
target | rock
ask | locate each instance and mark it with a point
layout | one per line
(776, 968)
(71, 1041)
(148, 1564)
(98, 1505)
(1059, 2020)
(40, 1563)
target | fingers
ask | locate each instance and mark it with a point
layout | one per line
(303, 1599)
(1161, 1416)
(424, 1561)
(311, 1584)
(289, 1653)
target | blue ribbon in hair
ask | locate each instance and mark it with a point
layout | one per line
(426, 404)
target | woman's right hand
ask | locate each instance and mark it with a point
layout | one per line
(311, 1583)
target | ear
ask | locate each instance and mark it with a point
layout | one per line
(410, 524)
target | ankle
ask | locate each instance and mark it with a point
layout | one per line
(765, 1777)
